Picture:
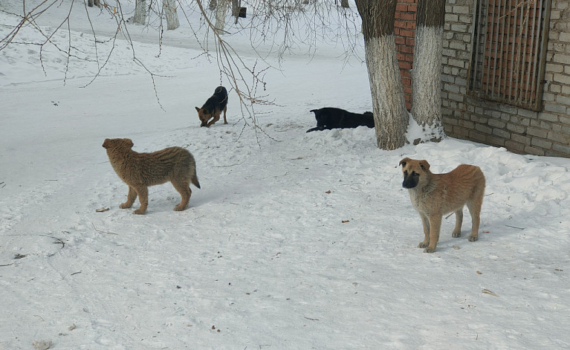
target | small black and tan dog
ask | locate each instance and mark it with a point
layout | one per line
(336, 118)
(214, 107)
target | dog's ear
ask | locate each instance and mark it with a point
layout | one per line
(129, 143)
(424, 165)
(197, 109)
(404, 161)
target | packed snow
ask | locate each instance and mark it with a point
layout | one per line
(295, 241)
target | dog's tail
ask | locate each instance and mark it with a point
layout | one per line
(221, 90)
(192, 171)
(316, 129)
(194, 180)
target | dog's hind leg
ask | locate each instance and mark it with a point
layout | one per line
(185, 192)
(475, 211)
(458, 222)
(142, 191)
(425, 223)
(225, 110)
(131, 197)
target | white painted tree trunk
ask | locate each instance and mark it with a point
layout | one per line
(236, 4)
(221, 11)
(235, 7)
(426, 80)
(390, 114)
(169, 8)
(426, 71)
(140, 12)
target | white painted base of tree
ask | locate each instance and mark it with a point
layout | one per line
(390, 114)
(417, 134)
(426, 80)
(169, 8)
(140, 12)
(221, 11)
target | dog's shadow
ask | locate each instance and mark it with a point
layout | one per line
(487, 233)
(446, 241)
(164, 200)
(207, 197)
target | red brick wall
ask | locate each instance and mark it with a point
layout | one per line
(405, 30)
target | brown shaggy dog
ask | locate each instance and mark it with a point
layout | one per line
(140, 170)
(434, 195)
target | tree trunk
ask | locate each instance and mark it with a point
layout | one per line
(426, 72)
(344, 4)
(235, 8)
(169, 8)
(221, 10)
(390, 114)
(236, 4)
(140, 12)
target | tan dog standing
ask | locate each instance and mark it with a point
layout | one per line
(434, 195)
(141, 170)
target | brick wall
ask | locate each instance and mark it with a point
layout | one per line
(517, 129)
(405, 30)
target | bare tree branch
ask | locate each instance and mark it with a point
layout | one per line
(296, 24)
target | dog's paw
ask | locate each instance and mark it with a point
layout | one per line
(473, 238)
(139, 212)
(179, 208)
(429, 250)
(125, 205)
(423, 244)
(456, 234)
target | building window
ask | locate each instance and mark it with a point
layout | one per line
(509, 51)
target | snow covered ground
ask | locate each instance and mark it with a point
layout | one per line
(295, 241)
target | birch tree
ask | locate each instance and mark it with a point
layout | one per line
(426, 72)
(390, 114)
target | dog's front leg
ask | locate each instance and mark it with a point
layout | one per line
(434, 227)
(214, 120)
(142, 191)
(225, 120)
(425, 223)
(130, 199)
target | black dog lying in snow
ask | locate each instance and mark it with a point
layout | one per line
(336, 118)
